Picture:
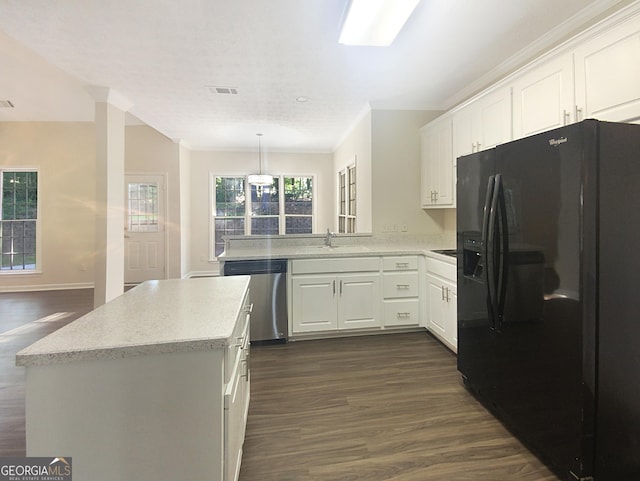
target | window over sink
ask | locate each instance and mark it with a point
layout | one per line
(238, 208)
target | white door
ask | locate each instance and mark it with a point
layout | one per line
(144, 255)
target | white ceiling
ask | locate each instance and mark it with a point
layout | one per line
(163, 55)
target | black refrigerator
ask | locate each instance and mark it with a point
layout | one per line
(548, 250)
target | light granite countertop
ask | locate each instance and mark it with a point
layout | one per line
(154, 317)
(348, 250)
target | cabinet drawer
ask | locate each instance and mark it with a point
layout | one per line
(400, 263)
(442, 269)
(236, 342)
(400, 284)
(335, 265)
(402, 312)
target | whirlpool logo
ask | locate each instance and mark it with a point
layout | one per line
(35, 469)
(557, 142)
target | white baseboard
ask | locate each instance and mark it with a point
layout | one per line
(192, 274)
(47, 287)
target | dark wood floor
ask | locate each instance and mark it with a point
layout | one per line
(18, 311)
(374, 408)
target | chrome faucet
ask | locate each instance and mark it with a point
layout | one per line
(327, 239)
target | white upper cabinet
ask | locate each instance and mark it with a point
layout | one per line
(482, 124)
(594, 75)
(543, 97)
(437, 167)
(608, 74)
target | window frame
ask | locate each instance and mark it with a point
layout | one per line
(282, 216)
(38, 264)
(347, 199)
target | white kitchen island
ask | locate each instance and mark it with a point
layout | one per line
(153, 385)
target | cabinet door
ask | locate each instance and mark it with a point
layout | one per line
(450, 314)
(234, 410)
(359, 301)
(438, 179)
(314, 303)
(435, 319)
(543, 97)
(482, 124)
(495, 119)
(608, 75)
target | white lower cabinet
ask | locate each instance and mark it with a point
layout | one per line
(163, 415)
(236, 402)
(344, 301)
(401, 290)
(442, 301)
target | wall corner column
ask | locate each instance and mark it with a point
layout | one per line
(110, 111)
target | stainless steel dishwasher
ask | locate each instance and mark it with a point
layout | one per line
(268, 291)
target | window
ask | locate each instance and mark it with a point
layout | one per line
(298, 205)
(285, 207)
(142, 209)
(347, 200)
(265, 209)
(18, 220)
(228, 209)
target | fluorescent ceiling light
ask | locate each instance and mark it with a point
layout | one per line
(375, 22)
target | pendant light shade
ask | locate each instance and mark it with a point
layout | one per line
(260, 178)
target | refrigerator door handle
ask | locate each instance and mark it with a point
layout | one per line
(488, 234)
(503, 251)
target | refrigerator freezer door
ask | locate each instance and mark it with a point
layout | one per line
(476, 334)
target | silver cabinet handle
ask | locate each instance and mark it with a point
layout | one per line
(340, 286)
(402, 265)
(334, 287)
(447, 298)
(442, 289)
(578, 115)
(566, 116)
(404, 315)
(403, 286)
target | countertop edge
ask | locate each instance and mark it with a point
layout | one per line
(117, 352)
(302, 253)
(40, 353)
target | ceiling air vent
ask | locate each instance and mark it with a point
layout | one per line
(223, 90)
(6, 104)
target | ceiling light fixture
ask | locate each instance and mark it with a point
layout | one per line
(260, 179)
(375, 23)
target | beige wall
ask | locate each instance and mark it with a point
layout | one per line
(384, 144)
(148, 151)
(356, 147)
(396, 174)
(185, 211)
(202, 163)
(64, 154)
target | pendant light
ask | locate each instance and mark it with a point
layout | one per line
(260, 178)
